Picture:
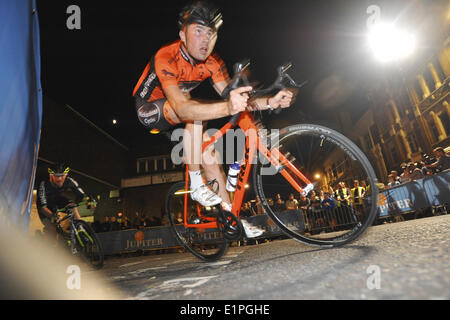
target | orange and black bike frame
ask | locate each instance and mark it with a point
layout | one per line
(274, 156)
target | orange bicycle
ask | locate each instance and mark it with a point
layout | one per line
(287, 161)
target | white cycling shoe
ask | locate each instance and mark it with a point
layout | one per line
(205, 196)
(250, 230)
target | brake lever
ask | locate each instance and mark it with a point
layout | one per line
(238, 76)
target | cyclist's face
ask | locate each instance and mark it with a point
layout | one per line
(198, 40)
(58, 180)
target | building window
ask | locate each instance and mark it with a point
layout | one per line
(429, 79)
(142, 166)
(412, 141)
(395, 156)
(375, 134)
(368, 142)
(445, 122)
(434, 130)
(437, 65)
(418, 90)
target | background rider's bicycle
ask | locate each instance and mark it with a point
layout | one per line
(80, 238)
(293, 160)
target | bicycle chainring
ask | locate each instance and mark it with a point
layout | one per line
(230, 225)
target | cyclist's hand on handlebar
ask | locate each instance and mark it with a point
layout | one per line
(284, 99)
(238, 100)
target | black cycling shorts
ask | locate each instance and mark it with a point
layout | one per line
(151, 114)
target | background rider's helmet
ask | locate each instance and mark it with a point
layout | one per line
(59, 169)
(200, 12)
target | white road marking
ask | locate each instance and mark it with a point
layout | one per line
(198, 281)
(172, 284)
(215, 264)
(188, 292)
(131, 264)
(145, 270)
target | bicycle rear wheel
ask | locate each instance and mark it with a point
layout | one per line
(206, 244)
(88, 244)
(325, 157)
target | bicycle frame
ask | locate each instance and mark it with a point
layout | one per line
(73, 232)
(253, 143)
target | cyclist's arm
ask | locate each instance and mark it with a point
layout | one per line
(75, 187)
(41, 201)
(283, 98)
(46, 211)
(192, 110)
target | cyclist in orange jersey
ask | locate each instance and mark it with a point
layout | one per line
(163, 100)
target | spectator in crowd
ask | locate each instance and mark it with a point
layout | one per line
(105, 226)
(328, 202)
(259, 207)
(321, 195)
(392, 182)
(252, 207)
(136, 221)
(245, 210)
(148, 222)
(179, 217)
(415, 172)
(153, 221)
(357, 193)
(114, 225)
(125, 223)
(365, 186)
(279, 205)
(304, 203)
(315, 201)
(96, 226)
(141, 223)
(329, 189)
(442, 160)
(291, 203)
(164, 221)
(425, 171)
(406, 174)
(342, 194)
(395, 176)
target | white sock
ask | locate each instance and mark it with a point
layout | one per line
(196, 179)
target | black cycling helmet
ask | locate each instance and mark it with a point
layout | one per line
(59, 169)
(200, 12)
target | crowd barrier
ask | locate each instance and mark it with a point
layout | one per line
(412, 196)
(430, 191)
(162, 237)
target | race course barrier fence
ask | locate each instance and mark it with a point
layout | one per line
(430, 191)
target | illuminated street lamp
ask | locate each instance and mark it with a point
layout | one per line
(389, 43)
(317, 176)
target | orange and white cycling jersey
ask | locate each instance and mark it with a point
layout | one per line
(171, 66)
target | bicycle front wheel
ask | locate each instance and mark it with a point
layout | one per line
(88, 244)
(208, 244)
(332, 215)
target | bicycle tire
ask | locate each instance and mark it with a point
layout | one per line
(337, 144)
(192, 238)
(90, 246)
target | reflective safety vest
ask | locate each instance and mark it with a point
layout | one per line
(340, 195)
(357, 195)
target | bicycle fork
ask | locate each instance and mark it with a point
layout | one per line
(76, 232)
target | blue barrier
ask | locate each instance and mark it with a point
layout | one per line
(162, 238)
(20, 109)
(412, 196)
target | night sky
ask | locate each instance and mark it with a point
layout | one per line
(95, 69)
